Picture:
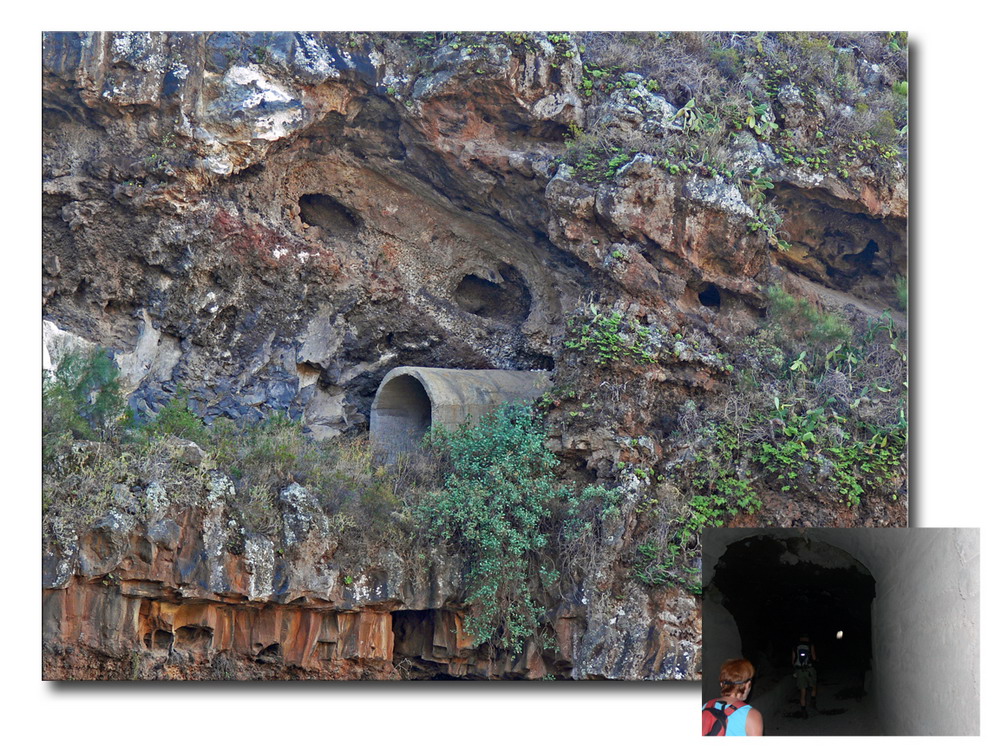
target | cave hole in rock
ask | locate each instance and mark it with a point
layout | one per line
(772, 590)
(249, 173)
(270, 653)
(416, 643)
(499, 296)
(864, 261)
(159, 639)
(710, 297)
(551, 131)
(143, 548)
(194, 638)
(413, 631)
(53, 117)
(323, 211)
(52, 204)
(538, 361)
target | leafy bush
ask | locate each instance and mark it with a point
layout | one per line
(81, 399)
(259, 510)
(658, 564)
(719, 483)
(782, 449)
(587, 511)
(593, 160)
(342, 475)
(494, 507)
(271, 452)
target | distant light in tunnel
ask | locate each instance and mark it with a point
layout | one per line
(839, 635)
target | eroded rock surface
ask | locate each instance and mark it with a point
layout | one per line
(190, 592)
(275, 221)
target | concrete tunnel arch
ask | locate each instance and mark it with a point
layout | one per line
(411, 400)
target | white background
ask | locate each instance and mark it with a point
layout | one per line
(952, 415)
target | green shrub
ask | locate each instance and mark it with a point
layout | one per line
(494, 507)
(271, 453)
(359, 494)
(717, 485)
(729, 62)
(591, 159)
(722, 483)
(798, 318)
(586, 511)
(657, 564)
(259, 510)
(728, 83)
(82, 399)
(177, 419)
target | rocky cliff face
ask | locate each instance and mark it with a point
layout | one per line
(173, 582)
(274, 221)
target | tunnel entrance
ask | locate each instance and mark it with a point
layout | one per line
(402, 414)
(413, 399)
(194, 638)
(775, 589)
(324, 212)
(270, 654)
(159, 639)
(499, 296)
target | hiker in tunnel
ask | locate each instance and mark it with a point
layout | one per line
(729, 715)
(803, 660)
(842, 625)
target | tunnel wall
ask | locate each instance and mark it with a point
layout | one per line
(926, 636)
(925, 620)
(724, 642)
(398, 419)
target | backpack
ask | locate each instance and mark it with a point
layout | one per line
(803, 657)
(714, 716)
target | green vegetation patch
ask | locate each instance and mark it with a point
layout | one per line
(816, 408)
(494, 508)
(609, 337)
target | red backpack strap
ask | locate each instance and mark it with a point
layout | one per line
(713, 720)
(730, 709)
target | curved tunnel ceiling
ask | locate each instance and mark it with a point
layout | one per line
(859, 544)
(801, 582)
(780, 586)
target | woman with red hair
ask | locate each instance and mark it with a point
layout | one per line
(729, 715)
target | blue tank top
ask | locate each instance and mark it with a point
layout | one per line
(736, 723)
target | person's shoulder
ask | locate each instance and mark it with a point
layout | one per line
(754, 722)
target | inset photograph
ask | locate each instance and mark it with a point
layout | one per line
(841, 632)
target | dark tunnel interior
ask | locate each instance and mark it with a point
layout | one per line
(777, 589)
